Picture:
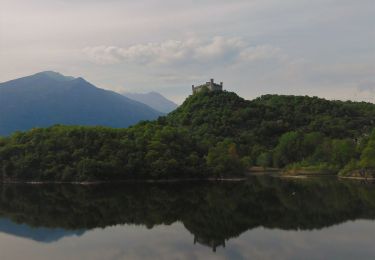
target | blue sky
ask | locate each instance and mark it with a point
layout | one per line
(303, 47)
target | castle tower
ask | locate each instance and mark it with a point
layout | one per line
(210, 85)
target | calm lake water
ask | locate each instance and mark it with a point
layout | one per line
(262, 218)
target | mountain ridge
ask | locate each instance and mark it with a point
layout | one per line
(154, 100)
(49, 98)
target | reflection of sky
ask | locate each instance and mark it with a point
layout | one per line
(351, 240)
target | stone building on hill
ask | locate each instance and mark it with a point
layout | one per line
(210, 85)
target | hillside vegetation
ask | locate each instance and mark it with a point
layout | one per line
(212, 134)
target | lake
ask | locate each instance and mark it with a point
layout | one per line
(261, 218)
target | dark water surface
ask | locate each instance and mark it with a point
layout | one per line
(262, 218)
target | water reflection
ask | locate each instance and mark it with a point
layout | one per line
(214, 213)
(40, 234)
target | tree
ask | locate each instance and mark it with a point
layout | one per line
(288, 150)
(264, 159)
(368, 154)
(223, 160)
(342, 151)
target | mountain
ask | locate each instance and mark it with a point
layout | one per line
(154, 100)
(49, 98)
(211, 135)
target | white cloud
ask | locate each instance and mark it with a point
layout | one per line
(263, 52)
(320, 47)
(218, 50)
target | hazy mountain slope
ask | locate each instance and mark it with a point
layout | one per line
(154, 100)
(49, 98)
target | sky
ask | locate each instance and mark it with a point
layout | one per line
(324, 48)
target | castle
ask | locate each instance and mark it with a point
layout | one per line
(210, 85)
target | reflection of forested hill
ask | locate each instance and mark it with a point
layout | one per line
(212, 212)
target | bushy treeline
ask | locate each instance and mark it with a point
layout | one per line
(69, 153)
(213, 134)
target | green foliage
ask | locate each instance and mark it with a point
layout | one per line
(288, 150)
(308, 168)
(264, 160)
(223, 159)
(213, 134)
(343, 151)
(368, 154)
(349, 168)
(362, 166)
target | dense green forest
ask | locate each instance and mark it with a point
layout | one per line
(212, 134)
(222, 210)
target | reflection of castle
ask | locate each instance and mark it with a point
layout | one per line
(209, 242)
(210, 85)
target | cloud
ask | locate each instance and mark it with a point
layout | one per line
(220, 50)
(263, 52)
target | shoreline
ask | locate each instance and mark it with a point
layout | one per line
(357, 178)
(257, 169)
(293, 177)
(247, 176)
(239, 179)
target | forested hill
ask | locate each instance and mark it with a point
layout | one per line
(262, 121)
(212, 134)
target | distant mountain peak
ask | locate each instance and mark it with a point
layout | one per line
(54, 75)
(49, 98)
(50, 73)
(80, 79)
(154, 100)
(154, 93)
